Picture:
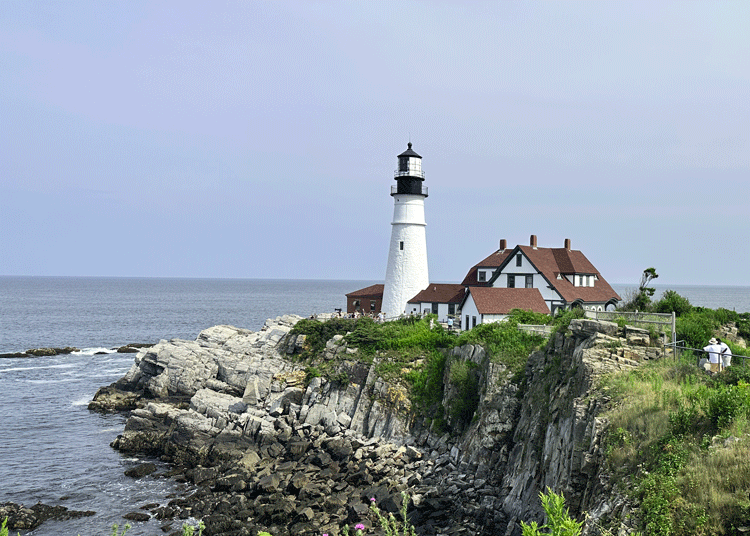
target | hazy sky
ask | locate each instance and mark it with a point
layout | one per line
(259, 139)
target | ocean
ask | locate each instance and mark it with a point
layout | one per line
(55, 451)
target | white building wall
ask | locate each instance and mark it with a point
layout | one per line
(520, 272)
(406, 273)
(486, 319)
(469, 309)
(426, 307)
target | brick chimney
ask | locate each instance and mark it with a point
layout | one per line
(532, 242)
(503, 244)
(567, 244)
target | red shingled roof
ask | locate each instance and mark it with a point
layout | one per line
(493, 261)
(440, 293)
(372, 290)
(500, 301)
(552, 262)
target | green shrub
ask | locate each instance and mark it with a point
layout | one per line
(562, 318)
(696, 328)
(504, 343)
(559, 522)
(725, 403)
(520, 316)
(671, 301)
(319, 333)
(464, 376)
(427, 381)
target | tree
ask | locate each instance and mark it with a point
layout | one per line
(640, 300)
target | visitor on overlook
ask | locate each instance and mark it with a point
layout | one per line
(713, 350)
(725, 354)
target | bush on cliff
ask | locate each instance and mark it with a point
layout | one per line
(559, 522)
(504, 342)
(672, 301)
(319, 333)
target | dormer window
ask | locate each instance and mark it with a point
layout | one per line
(519, 259)
(481, 276)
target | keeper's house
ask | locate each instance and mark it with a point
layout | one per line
(563, 277)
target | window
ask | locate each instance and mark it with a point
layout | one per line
(473, 321)
(434, 308)
(401, 245)
(356, 305)
(451, 308)
(511, 281)
(591, 280)
(403, 164)
(529, 281)
(467, 321)
(481, 276)
(372, 305)
(519, 259)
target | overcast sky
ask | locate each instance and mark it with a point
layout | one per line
(259, 139)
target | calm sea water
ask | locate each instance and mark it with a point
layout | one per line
(54, 450)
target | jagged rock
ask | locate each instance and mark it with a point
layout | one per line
(23, 518)
(136, 516)
(141, 470)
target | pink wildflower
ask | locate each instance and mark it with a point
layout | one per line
(359, 526)
(372, 499)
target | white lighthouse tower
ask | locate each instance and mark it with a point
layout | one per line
(406, 274)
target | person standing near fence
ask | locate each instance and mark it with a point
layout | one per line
(725, 354)
(713, 350)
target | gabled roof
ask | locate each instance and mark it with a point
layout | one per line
(500, 301)
(493, 261)
(551, 262)
(440, 293)
(372, 290)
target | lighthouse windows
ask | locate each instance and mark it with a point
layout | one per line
(401, 245)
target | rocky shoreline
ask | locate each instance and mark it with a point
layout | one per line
(262, 449)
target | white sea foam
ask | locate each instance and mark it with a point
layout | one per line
(20, 369)
(92, 351)
(81, 402)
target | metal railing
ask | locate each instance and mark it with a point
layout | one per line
(422, 190)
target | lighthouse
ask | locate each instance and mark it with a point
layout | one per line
(406, 274)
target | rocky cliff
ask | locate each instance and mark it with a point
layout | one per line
(265, 450)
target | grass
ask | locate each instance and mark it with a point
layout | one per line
(666, 446)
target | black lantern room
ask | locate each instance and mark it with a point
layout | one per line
(409, 175)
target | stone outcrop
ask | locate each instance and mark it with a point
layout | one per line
(28, 518)
(41, 352)
(267, 451)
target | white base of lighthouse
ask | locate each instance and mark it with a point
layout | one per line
(406, 274)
